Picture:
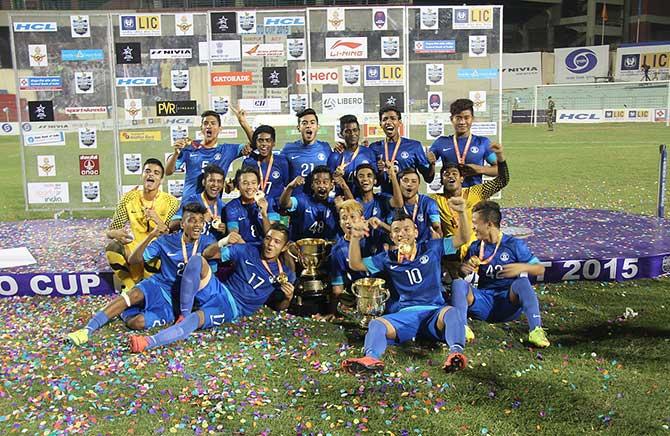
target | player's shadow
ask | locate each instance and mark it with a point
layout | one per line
(605, 331)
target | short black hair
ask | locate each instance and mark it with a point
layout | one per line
(305, 112)
(449, 166)
(246, 169)
(409, 170)
(194, 208)
(399, 214)
(489, 210)
(154, 161)
(389, 108)
(362, 167)
(280, 228)
(348, 119)
(212, 169)
(321, 169)
(263, 129)
(460, 105)
(212, 114)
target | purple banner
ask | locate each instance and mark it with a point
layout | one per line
(56, 285)
(606, 270)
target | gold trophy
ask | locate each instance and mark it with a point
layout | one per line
(370, 298)
(312, 255)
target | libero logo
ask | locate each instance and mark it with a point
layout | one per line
(176, 108)
(347, 48)
(170, 53)
(231, 78)
(136, 81)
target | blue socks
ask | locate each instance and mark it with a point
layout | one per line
(375, 339)
(454, 330)
(529, 302)
(459, 298)
(174, 333)
(190, 281)
(98, 320)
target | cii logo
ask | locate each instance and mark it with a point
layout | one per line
(35, 27)
(136, 81)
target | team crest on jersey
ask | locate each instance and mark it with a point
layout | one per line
(374, 211)
(217, 156)
(321, 156)
(275, 174)
(474, 149)
(424, 259)
(420, 217)
(404, 155)
(504, 256)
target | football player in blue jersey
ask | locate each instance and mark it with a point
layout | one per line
(404, 152)
(258, 273)
(196, 155)
(463, 148)
(313, 215)
(213, 181)
(377, 207)
(503, 263)
(252, 213)
(413, 271)
(150, 303)
(306, 153)
(346, 161)
(420, 207)
(272, 167)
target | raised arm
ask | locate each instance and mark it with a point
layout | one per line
(241, 116)
(137, 256)
(358, 231)
(285, 198)
(396, 201)
(492, 186)
(462, 236)
(172, 159)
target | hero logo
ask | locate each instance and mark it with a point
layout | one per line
(284, 21)
(136, 81)
(581, 61)
(319, 77)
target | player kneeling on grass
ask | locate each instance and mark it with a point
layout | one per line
(257, 275)
(499, 260)
(150, 303)
(413, 270)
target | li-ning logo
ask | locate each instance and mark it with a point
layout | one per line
(581, 61)
(348, 44)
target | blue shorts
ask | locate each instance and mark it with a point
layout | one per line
(157, 309)
(493, 306)
(216, 303)
(411, 324)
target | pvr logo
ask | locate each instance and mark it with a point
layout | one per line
(167, 108)
(478, 15)
(35, 27)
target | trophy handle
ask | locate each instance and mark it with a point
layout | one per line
(387, 294)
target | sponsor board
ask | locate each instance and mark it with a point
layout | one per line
(660, 115)
(48, 193)
(170, 53)
(347, 48)
(176, 108)
(434, 128)
(87, 137)
(177, 132)
(284, 21)
(220, 104)
(435, 46)
(50, 26)
(175, 187)
(132, 108)
(219, 51)
(140, 25)
(56, 285)
(297, 102)
(44, 139)
(520, 70)
(488, 128)
(37, 54)
(246, 22)
(581, 64)
(343, 103)
(631, 58)
(295, 47)
(434, 74)
(472, 17)
(275, 77)
(86, 110)
(477, 46)
(318, 76)
(390, 47)
(91, 54)
(80, 26)
(83, 81)
(41, 83)
(132, 163)
(263, 50)
(183, 24)
(136, 81)
(90, 192)
(9, 128)
(579, 116)
(46, 165)
(335, 18)
(628, 115)
(128, 53)
(435, 101)
(41, 110)
(351, 75)
(479, 100)
(179, 80)
(429, 18)
(140, 136)
(231, 78)
(260, 104)
(89, 165)
(396, 99)
(384, 75)
(476, 73)
(223, 22)
(379, 19)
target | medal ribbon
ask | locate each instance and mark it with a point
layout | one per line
(459, 158)
(145, 207)
(412, 255)
(343, 165)
(415, 211)
(481, 250)
(395, 149)
(267, 267)
(193, 251)
(264, 180)
(207, 204)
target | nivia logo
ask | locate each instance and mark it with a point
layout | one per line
(136, 81)
(581, 61)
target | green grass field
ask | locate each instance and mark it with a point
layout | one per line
(275, 374)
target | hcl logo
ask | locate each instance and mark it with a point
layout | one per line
(284, 21)
(35, 27)
(136, 81)
(579, 116)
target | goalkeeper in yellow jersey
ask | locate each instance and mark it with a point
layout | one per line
(139, 210)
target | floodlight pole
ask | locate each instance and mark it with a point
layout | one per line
(535, 107)
(662, 173)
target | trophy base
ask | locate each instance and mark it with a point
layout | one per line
(307, 305)
(365, 321)
(312, 288)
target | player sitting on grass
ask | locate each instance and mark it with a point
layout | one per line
(150, 303)
(258, 273)
(499, 260)
(413, 270)
(144, 209)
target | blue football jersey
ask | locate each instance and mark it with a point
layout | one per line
(410, 155)
(480, 151)
(247, 220)
(250, 283)
(511, 250)
(313, 219)
(364, 155)
(379, 207)
(215, 210)
(168, 249)
(279, 174)
(303, 158)
(417, 282)
(340, 273)
(196, 159)
(426, 214)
